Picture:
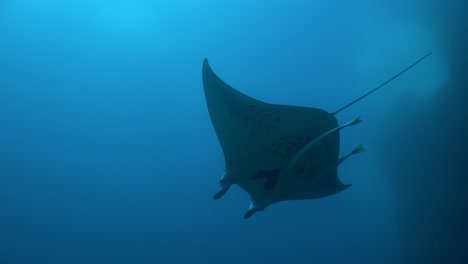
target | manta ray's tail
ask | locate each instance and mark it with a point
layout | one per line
(382, 85)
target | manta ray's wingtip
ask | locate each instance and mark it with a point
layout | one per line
(206, 69)
(205, 63)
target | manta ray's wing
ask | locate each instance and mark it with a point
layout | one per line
(331, 184)
(325, 181)
(259, 139)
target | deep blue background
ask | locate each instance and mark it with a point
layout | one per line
(108, 155)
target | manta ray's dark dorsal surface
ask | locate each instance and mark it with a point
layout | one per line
(276, 152)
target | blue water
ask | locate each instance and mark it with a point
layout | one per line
(108, 154)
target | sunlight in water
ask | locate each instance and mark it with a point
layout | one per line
(126, 17)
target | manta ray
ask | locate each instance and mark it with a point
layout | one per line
(277, 152)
